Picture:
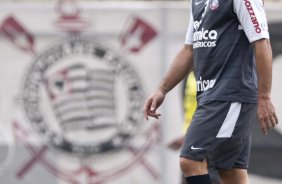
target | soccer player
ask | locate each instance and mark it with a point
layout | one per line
(228, 43)
(190, 104)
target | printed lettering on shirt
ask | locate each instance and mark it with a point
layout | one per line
(203, 37)
(253, 16)
(204, 85)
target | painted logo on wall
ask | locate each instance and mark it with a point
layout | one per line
(84, 100)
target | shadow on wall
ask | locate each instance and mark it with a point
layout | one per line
(267, 150)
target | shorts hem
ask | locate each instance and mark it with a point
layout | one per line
(191, 157)
(233, 167)
(240, 167)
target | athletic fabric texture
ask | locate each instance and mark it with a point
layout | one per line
(221, 133)
(220, 32)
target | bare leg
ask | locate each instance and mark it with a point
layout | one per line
(234, 176)
(193, 168)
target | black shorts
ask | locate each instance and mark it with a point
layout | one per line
(221, 133)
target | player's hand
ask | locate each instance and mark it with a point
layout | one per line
(267, 116)
(152, 103)
(176, 143)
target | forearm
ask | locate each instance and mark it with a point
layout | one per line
(180, 67)
(263, 55)
(266, 111)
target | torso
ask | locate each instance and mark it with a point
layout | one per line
(223, 58)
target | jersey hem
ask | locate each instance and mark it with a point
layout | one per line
(252, 100)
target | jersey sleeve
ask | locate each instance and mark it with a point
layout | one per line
(252, 17)
(189, 33)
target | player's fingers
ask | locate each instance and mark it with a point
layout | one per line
(272, 122)
(265, 131)
(145, 114)
(268, 121)
(157, 116)
(263, 126)
(275, 117)
(264, 122)
(154, 105)
(153, 114)
(146, 108)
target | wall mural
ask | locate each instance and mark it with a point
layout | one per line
(83, 101)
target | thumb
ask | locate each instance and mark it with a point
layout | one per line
(154, 105)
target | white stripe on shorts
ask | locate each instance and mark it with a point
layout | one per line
(229, 123)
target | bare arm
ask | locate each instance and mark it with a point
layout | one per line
(180, 67)
(266, 111)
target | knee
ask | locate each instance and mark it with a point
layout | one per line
(192, 168)
(185, 164)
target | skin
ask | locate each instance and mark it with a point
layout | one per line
(181, 66)
(266, 112)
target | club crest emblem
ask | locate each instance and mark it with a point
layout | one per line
(79, 95)
(84, 102)
(214, 5)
